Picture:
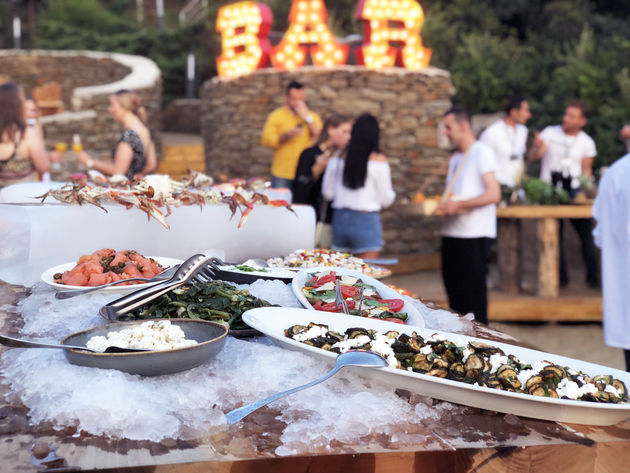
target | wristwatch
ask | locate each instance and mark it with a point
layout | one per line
(308, 119)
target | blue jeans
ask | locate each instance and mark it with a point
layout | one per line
(280, 182)
(356, 232)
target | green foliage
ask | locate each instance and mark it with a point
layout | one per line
(87, 25)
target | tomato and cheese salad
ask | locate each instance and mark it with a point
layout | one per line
(320, 288)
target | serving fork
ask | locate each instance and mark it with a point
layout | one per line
(198, 268)
(339, 298)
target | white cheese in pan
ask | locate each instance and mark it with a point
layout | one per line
(152, 335)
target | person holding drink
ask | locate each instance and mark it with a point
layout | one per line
(134, 153)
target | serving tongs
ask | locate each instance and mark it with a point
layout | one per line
(339, 300)
(199, 268)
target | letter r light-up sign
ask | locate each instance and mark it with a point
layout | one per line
(392, 37)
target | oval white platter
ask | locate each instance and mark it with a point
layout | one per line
(47, 277)
(272, 321)
(414, 317)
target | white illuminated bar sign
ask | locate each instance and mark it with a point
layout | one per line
(391, 37)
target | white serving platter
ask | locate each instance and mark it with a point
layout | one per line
(47, 277)
(414, 317)
(272, 321)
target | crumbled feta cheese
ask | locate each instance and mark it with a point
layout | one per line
(382, 346)
(437, 338)
(497, 360)
(425, 350)
(466, 353)
(376, 310)
(349, 280)
(152, 335)
(329, 286)
(460, 343)
(524, 375)
(367, 292)
(313, 332)
(570, 389)
(351, 343)
(567, 388)
(589, 388)
(610, 389)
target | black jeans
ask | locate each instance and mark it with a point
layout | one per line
(584, 228)
(464, 271)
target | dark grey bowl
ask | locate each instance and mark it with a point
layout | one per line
(210, 335)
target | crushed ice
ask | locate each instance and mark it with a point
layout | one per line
(116, 404)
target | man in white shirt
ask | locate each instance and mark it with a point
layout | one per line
(470, 221)
(507, 138)
(612, 212)
(567, 152)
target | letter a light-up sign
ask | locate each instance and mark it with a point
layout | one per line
(390, 22)
(308, 32)
(244, 27)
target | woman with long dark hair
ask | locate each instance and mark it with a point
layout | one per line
(307, 185)
(359, 186)
(22, 151)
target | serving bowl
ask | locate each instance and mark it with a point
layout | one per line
(209, 335)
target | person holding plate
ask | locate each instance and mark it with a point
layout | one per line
(470, 222)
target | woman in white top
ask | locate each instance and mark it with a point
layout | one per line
(359, 186)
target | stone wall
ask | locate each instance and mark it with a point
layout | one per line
(407, 104)
(87, 79)
(183, 116)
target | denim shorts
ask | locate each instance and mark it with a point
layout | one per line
(356, 232)
(281, 182)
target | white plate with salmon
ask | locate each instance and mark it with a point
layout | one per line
(105, 266)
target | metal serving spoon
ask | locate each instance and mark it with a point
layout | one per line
(18, 343)
(349, 358)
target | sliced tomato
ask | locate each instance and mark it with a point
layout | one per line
(328, 307)
(395, 305)
(395, 320)
(330, 277)
(349, 291)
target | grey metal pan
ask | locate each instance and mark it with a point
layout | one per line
(210, 335)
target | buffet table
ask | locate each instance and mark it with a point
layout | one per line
(447, 437)
(547, 244)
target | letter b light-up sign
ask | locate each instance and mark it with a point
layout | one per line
(244, 28)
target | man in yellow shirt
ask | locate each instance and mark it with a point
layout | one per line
(289, 130)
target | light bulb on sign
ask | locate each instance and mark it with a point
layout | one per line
(244, 27)
(377, 51)
(308, 16)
